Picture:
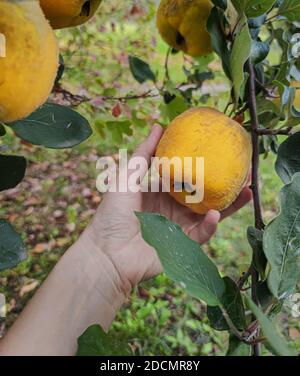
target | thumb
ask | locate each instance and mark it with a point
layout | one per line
(147, 149)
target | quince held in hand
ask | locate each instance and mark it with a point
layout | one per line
(226, 148)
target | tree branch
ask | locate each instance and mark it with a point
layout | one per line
(76, 100)
(259, 224)
(274, 132)
(147, 94)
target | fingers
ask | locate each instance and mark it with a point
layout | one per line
(244, 197)
(206, 228)
(147, 149)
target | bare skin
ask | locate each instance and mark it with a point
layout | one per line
(96, 275)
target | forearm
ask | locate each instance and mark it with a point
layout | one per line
(81, 290)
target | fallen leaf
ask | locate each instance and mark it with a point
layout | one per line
(28, 288)
(294, 333)
(61, 242)
(58, 214)
(40, 248)
(71, 227)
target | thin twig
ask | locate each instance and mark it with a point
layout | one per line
(268, 92)
(271, 18)
(243, 109)
(76, 100)
(167, 74)
(244, 337)
(147, 94)
(244, 277)
(227, 107)
(231, 325)
(274, 132)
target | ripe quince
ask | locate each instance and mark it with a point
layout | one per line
(222, 142)
(29, 64)
(182, 24)
(68, 13)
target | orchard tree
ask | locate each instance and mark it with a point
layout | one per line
(264, 99)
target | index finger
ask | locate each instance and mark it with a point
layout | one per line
(244, 197)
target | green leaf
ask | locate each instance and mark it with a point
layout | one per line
(140, 123)
(276, 342)
(282, 242)
(240, 54)
(259, 51)
(255, 239)
(264, 295)
(255, 25)
(118, 129)
(12, 171)
(12, 250)
(295, 72)
(53, 126)
(220, 3)
(95, 342)
(253, 8)
(140, 70)
(182, 258)
(264, 105)
(203, 61)
(218, 41)
(237, 348)
(233, 304)
(173, 108)
(290, 9)
(239, 5)
(2, 130)
(288, 158)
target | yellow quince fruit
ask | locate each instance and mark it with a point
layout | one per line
(225, 147)
(68, 13)
(182, 24)
(29, 59)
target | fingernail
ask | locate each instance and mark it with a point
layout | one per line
(155, 127)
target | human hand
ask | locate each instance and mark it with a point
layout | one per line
(116, 231)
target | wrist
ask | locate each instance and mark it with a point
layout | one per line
(102, 262)
(107, 247)
(83, 289)
(99, 279)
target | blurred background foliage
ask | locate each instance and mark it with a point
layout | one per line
(58, 196)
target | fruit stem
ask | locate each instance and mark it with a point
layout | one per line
(259, 224)
(166, 66)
